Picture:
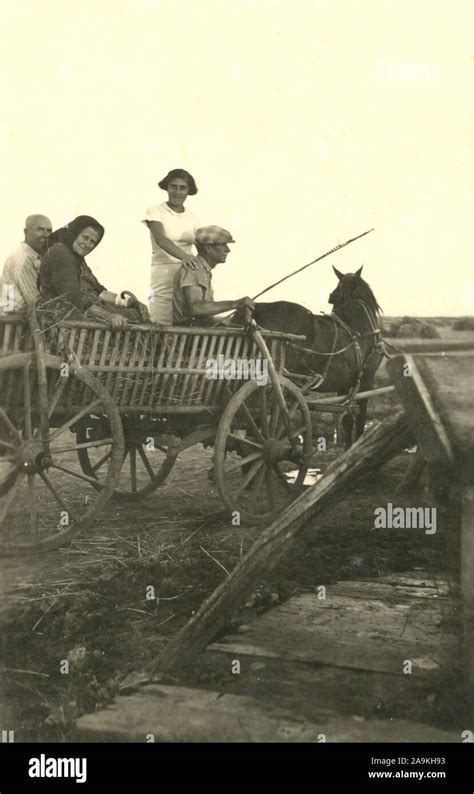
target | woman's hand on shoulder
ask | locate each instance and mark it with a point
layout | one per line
(191, 262)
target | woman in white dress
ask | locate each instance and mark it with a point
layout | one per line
(172, 228)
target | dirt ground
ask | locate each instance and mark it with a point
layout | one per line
(88, 603)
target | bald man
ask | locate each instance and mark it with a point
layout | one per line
(20, 271)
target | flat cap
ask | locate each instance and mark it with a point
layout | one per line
(212, 235)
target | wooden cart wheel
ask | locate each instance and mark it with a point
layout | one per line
(44, 496)
(144, 467)
(259, 467)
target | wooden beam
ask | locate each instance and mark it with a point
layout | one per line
(362, 395)
(410, 479)
(467, 588)
(364, 457)
(424, 416)
(432, 345)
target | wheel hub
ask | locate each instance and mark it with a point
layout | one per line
(275, 450)
(30, 456)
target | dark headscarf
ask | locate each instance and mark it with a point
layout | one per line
(67, 234)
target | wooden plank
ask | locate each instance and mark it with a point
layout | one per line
(365, 456)
(339, 399)
(114, 350)
(397, 589)
(363, 633)
(450, 382)
(195, 388)
(424, 418)
(433, 345)
(185, 391)
(209, 393)
(439, 399)
(410, 479)
(118, 383)
(467, 588)
(312, 690)
(134, 356)
(176, 378)
(419, 579)
(203, 382)
(169, 362)
(181, 714)
(156, 380)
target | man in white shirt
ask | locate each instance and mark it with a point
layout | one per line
(18, 281)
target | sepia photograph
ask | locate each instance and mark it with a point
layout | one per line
(237, 390)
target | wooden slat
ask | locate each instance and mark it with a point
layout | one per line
(312, 690)
(423, 413)
(137, 391)
(96, 337)
(364, 632)
(467, 587)
(12, 381)
(210, 390)
(7, 376)
(175, 378)
(162, 343)
(162, 410)
(213, 341)
(83, 354)
(185, 388)
(149, 343)
(113, 359)
(7, 329)
(119, 380)
(80, 343)
(169, 361)
(177, 714)
(134, 358)
(196, 380)
(218, 386)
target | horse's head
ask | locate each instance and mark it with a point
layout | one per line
(352, 287)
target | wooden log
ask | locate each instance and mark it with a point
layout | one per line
(337, 400)
(363, 458)
(467, 588)
(412, 475)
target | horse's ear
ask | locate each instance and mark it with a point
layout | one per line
(338, 273)
(359, 271)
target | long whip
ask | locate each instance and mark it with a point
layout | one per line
(318, 259)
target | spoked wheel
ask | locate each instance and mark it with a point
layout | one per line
(260, 465)
(44, 496)
(146, 463)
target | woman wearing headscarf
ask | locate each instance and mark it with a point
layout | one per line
(172, 228)
(65, 274)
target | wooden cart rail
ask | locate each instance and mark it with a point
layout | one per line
(144, 370)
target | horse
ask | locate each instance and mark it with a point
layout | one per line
(344, 348)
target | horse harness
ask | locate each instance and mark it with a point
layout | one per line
(354, 343)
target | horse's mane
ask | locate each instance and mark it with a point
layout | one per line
(355, 288)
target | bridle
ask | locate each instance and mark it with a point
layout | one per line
(354, 337)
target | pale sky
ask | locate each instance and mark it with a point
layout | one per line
(304, 123)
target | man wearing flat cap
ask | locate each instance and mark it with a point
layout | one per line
(193, 296)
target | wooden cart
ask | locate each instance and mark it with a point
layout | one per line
(82, 405)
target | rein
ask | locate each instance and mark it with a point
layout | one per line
(354, 337)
